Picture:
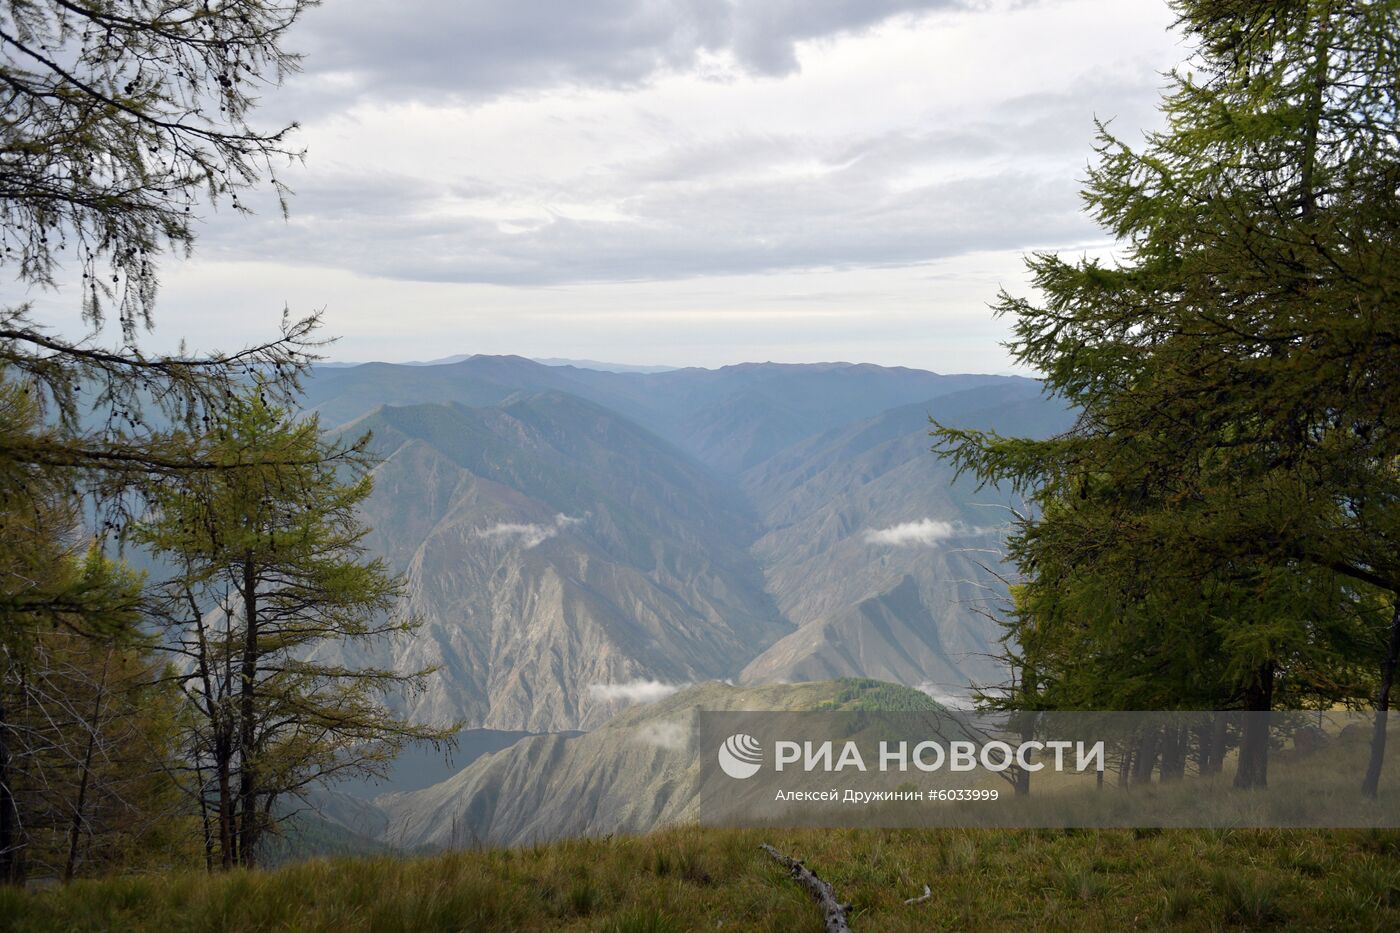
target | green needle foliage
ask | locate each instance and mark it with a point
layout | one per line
(120, 120)
(83, 731)
(118, 117)
(271, 565)
(1220, 528)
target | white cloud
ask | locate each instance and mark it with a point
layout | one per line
(923, 533)
(529, 535)
(679, 181)
(669, 735)
(635, 691)
(950, 699)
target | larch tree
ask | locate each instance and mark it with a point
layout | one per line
(1231, 485)
(270, 566)
(66, 612)
(122, 119)
(122, 122)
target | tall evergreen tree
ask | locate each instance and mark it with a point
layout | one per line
(66, 612)
(1231, 484)
(271, 565)
(120, 121)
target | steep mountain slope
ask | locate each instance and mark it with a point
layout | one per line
(636, 772)
(578, 538)
(874, 551)
(562, 559)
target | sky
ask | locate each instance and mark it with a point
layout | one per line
(674, 182)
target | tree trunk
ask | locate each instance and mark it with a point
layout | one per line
(1022, 783)
(221, 738)
(1321, 65)
(1219, 738)
(1202, 732)
(1371, 785)
(249, 819)
(9, 810)
(204, 812)
(75, 828)
(1253, 768)
(1146, 757)
(833, 911)
(1174, 753)
(223, 757)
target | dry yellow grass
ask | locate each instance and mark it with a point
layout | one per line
(696, 879)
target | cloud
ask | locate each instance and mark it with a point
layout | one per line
(635, 691)
(654, 185)
(952, 699)
(889, 147)
(674, 736)
(922, 533)
(472, 50)
(766, 220)
(529, 535)
(508, 170)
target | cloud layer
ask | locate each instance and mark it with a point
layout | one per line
(922, 533)
(635, 691)
(676, 181)
(545, 143)
(471, 50)
(526, 536)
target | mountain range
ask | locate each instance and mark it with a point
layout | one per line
(576, 540)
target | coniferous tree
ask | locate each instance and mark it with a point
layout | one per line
(272, 566)
(1230, 490)
(74, 685)
(121, 120)
(94, 723)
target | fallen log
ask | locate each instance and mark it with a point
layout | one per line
(928, 893)
(825, 895)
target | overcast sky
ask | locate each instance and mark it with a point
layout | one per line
(677, 181)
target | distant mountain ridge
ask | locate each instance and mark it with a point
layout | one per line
(730, 418)
(545, 361)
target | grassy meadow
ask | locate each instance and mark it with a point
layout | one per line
(690, 878)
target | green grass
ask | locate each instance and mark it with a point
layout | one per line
(695, 879)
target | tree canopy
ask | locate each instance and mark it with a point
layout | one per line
(1220, 526)
(270, 563)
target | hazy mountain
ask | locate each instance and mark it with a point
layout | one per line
(634, 773)
(421, 766)
(551, 361)
(576, 539)
(877, 554)
(772, 406)
(561, 558)
(343, 394)
(729, 418)
(605, 367)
